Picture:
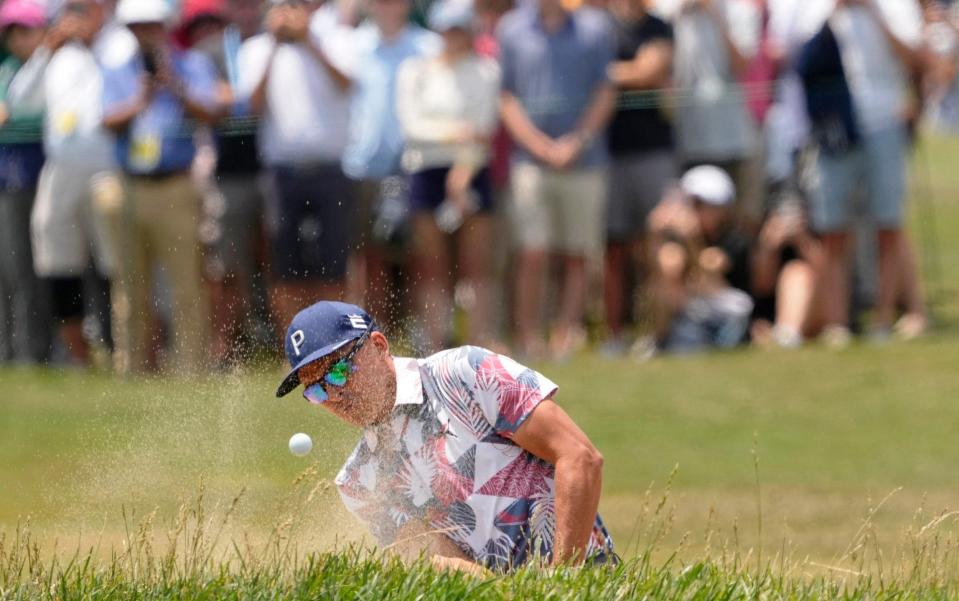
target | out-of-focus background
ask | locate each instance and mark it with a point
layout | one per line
(726, 228)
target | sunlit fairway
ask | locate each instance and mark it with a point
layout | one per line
(837, 460)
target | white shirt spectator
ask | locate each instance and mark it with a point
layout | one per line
(69, 87)
(437, 100)
(306, 118)
(877, 80)
(712, 122)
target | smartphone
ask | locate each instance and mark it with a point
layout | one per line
(150, 63)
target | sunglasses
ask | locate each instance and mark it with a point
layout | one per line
(337, 375)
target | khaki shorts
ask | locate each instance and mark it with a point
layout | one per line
(561, 211)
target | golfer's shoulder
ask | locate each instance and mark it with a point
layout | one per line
(461, 358)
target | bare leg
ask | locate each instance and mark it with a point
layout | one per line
(288, 298)
(228, 308)
(834, 279)
(795, 292)
(71, 331)
(911, 294)
(890, 259)
(572, 305)
(431, 287)
(531, 268)
(476, 260)
(614, 292)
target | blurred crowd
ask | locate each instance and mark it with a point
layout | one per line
(651, 176)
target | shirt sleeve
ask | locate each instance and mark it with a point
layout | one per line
(201, 79)
(507, 391)
(119, 87)
(745, 27)
(251, 64)
(486, 116)
(905, 21)
(26, 92)
(605, 53)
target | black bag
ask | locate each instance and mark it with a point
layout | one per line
(828, 100)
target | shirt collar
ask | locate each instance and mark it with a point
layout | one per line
(409, 383)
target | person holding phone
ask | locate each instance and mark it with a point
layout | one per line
(152, 102)
(296, 76)
(69, 229)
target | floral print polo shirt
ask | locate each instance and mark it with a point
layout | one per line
(445, 456)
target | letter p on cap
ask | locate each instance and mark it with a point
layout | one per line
(297, 339)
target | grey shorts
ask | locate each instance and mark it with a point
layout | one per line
(636, 185)
(879, 164)
(232, 225)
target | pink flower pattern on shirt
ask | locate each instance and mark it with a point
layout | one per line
(445, 457)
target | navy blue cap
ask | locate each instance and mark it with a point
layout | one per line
(319, 330)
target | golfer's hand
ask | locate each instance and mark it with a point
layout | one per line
(455, 564)
(4, 114)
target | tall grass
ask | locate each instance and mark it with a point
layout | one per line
(197, 555)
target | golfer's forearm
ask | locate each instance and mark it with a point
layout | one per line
(579, 479)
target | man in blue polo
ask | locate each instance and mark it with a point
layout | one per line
(465, 456)
(556, 101)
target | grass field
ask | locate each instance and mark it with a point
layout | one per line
(834, 459)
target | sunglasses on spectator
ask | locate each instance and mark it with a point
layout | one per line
(338, 374)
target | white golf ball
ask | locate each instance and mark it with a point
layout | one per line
(300, 444)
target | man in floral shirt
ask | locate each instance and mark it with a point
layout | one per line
(464, 456)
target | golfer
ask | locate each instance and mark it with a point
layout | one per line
(464, 456)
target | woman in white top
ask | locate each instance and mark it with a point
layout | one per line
(448, 107)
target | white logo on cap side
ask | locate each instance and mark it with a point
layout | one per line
(297, 339)
(357, 322)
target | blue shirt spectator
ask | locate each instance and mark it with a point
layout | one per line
(376, 139)
(160, 138)
(555, 76)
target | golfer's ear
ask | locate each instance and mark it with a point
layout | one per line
(380, 341)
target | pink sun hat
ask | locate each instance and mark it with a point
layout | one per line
(27, 13)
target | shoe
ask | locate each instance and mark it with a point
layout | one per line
(911, 326)
(613, 348)
(880, 335)
(644, 349)
(787, 337)
(836, 337)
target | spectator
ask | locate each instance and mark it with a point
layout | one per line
(448, 108)
(785, 264)
(877, 41)
(233, 202)
(715, 42)
(556, 101)
(298, 81)
(643, 159)
(702, 275)
(376, 142)
(24, 324)
(151, 101)
(79, 182)
(941, 77)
